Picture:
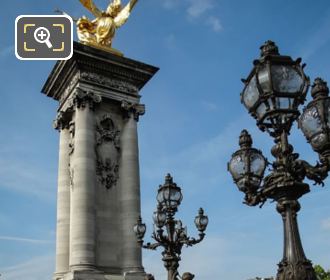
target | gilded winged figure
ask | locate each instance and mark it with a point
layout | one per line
(101, 31)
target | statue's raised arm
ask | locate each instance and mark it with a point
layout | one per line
(89, 5)
(124, 14)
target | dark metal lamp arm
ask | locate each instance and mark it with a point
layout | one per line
(192, 241)
(317, 173)
(151, 246)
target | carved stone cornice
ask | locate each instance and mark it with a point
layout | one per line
(61, 121)
(134, 110)
(74, 79)
(112, 83)
(83, 99)
(111, 71)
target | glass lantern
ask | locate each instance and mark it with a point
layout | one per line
(159, 217)
(169, 195)
(201, 221)
(275, 88)
(140, 229)
(247, 165)
(315, 119)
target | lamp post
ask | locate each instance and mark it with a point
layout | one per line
(169, 233)
(273, 92)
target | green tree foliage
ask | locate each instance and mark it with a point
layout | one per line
(321, 273)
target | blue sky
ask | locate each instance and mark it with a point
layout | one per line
(191, 127)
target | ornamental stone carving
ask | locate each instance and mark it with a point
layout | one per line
(134, 110)
(106, 131)
(73, 82)
(107, 151)
(107, 172)
(71, 150)
(83, 99)
(71, 172)
(72, 134)
(61, 121)
(122, 86)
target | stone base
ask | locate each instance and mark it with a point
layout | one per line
(58, 276)
(84, 275)
(135, 276)
(94, 275)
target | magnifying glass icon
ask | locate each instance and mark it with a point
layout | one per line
(42, 35)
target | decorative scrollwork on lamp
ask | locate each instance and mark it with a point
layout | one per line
(273, 92)
(169, 233)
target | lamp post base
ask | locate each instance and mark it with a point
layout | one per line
(302, 270)
(171, 263)
(295, 265)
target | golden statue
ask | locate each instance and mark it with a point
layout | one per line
(101, 31)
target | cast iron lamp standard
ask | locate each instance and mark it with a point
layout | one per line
(274, 90)
(169, 197)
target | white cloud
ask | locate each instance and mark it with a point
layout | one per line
(209, 106)
(170, 4)
(212, 259)
(26, 240)
(39, 268)
(198, 260)
(215, 23)
(199, 7)
(197, 10)
(199, 164)
(19, 176)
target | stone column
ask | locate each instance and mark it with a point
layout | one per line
(108, 249)
(83, 166)
(130, 189)
(63, 198)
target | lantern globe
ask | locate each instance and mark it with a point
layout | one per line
(140, 229)
(247, 165)
(201, 220)
(159, 217)
(169, 195)
(275, 88)
(315, 118)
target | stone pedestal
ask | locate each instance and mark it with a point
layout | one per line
(98, 182)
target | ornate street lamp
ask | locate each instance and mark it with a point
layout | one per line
(315, 120)
(273, 92)
(169, 233)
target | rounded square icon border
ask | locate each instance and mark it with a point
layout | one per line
(53, 58)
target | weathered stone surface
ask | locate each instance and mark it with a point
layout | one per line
(114, 77)
(98, 183)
